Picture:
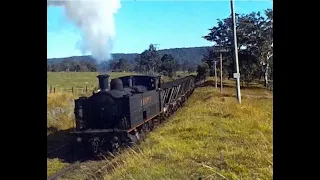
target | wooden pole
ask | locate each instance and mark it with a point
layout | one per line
(221, 73)
(215, 73)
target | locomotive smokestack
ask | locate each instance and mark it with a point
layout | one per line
(103, 82)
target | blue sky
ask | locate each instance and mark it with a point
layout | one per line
(171, 24)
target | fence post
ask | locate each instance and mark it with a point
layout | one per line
(50, 89)
(72, 90)
(54, 90)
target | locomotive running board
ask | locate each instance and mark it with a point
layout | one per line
(98, 131)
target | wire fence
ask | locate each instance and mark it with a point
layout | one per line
(74, 90)
(87, 89)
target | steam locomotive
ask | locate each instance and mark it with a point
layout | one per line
(122, 114)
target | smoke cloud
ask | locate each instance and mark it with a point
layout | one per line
(95, 19)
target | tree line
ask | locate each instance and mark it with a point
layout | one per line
(73, 66)
(151, 61)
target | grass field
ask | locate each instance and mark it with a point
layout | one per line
(212, 137)
(77, 79)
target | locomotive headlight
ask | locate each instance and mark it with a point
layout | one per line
(79, 139)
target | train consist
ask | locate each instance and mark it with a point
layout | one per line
(123, 113)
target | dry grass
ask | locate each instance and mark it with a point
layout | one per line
(60, 111)
(212, 137)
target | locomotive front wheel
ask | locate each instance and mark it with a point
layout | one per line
(151, 125)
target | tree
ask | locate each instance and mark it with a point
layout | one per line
(250, 65)
(139, 64)
(221, 35)
(103, 66)
(169, 64)
(191, 69)
(123, 65)
(254, 40)
(49, 67)
(149, 60)
(203, 70)
(268, 46)
(74, 66)
(113, 65)
(209, 58)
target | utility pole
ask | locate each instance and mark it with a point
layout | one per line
(215, 72)
(220, 72)
(237, 74)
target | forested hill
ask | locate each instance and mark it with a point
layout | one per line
(192, 54)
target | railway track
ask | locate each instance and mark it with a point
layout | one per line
(58, 143)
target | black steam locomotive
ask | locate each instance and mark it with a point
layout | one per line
(122, 114)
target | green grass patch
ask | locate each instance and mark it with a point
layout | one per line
(54, 165)
(77, 79)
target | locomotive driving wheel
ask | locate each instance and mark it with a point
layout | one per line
(132, 138)
(151, 125)
(143, 131)
(114, 145)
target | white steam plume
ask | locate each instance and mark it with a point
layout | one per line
(95, 20)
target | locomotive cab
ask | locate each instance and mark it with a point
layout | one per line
(141, 82)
